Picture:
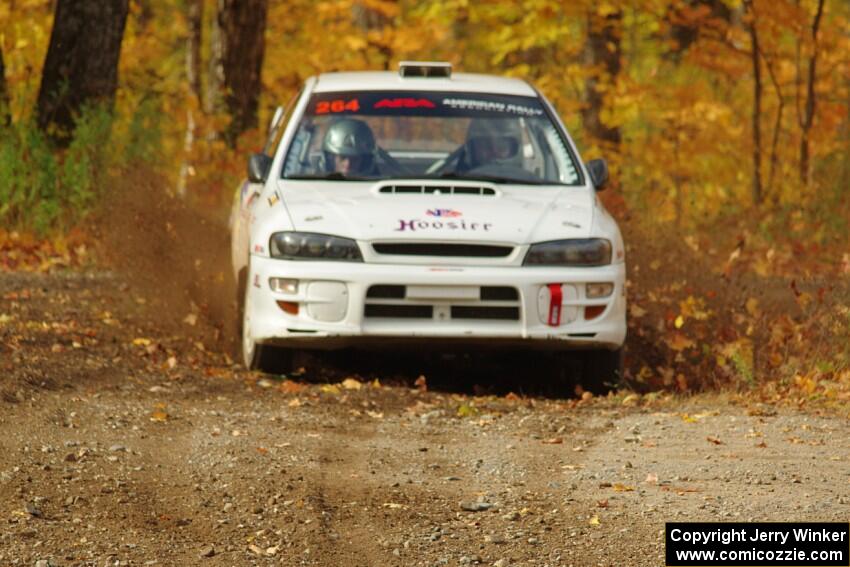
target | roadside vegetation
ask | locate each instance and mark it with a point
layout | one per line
(726, 125)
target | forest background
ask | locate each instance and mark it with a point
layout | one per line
(725, 123)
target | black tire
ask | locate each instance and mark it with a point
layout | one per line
(272, 360)
(265, 358)
(241, 285)
(602, 370)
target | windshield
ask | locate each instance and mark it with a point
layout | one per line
(384, 135)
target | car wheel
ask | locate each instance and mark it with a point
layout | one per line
(257, 356)
(602, 370)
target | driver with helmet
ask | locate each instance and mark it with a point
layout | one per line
(491, 141)
(349, 148)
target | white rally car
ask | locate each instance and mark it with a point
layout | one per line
(428, 207)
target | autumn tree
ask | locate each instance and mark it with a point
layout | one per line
(806, 114)
(603, 53)
(82, 61)
(374, 20)
(755, 56)
(689, 18)
(242, 24)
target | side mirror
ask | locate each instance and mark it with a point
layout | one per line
(598, 170)
(258, 168)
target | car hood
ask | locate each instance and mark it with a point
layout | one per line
(515, 214)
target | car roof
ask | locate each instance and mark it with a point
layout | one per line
(392, 81)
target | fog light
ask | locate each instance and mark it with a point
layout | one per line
(595, 290)
(284, 285)
(288, 307)
(593, 311)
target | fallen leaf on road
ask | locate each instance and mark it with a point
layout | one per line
(159, 416)
(651, 478)
(679, 342)
(330, 389)
(421, 383)
(553, 441)
(594, 521)
(351, 384)
(631, 400)
(375, 414)
(602, 503)
(141, 342)
(291, 387)
(466, 410)
(620, 487)
(714, 440)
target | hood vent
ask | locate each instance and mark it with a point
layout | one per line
(437, 190)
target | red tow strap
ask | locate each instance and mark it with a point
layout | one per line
(556, 295)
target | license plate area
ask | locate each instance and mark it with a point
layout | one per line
(442, 292)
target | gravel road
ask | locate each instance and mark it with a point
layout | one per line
(129, 438)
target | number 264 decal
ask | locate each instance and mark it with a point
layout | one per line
(338, 105)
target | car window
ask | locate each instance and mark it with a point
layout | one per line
(383, 135)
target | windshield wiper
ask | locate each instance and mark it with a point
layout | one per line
(331, 176)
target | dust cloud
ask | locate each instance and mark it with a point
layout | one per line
(172, 254)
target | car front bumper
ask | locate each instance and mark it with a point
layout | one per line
(438, 304)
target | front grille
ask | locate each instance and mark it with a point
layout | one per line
(400, 311)
(485, 312)
(493, 303)
(497, 293)
(437, 189)
(442, 249)
(486, 293)
(386, 292)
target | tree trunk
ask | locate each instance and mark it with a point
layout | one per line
(689, 19)
(777, 124)
(808, 116)
(5, 116)
(370, 19)
(243, 26)
(603, 52)
(215, 73)
(757, 94)
(195, 17)
(82, 61)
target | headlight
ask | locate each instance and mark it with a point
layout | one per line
(309, 246)
(577, 252)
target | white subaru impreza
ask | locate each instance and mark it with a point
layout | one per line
(431, 208)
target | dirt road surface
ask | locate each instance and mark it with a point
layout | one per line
(127, 437)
